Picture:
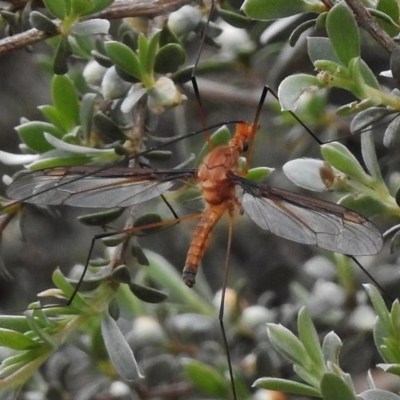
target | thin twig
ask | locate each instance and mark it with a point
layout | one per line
(140, 8)
(136, 136)
(120, 9)
(369, 24)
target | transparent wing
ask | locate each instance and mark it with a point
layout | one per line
(311, 221)
(83, 187)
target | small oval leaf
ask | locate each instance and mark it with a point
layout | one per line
(207, 379)
(15, 340)
(292, 87)
(118, 349)
(101, 218)
(169, 58)
(346, 42)
(273, 9)
(146, 294)
(366, 118)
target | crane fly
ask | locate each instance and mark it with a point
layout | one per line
(224, 188)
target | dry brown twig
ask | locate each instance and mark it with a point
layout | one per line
(368, 23)
(121, 9)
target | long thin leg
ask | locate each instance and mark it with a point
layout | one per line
(128, 231)
(200, 107)
(221, 309)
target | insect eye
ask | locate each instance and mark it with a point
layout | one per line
(245, 146)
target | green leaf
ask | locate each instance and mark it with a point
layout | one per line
(392, 345)
(153, 46)
(329, 66)
(147, 221)
(82, 46)
(379, 307)
(368, 117)
(355, 107)
(37, 324)
(101, 154)
(321, 20)
(369, 156)
(339, 157)
(346, 42)
(395, 240)
(66, 101)
(14, 322)
(62, 54)
(286, 343)
(42, 23)
(114, 239)
(395, 315)
(57, 8)
(292, 87)
(91, 27)
(15, 340)
(388, 13)
(143, 49)
(107, 128)
(294, 37)
(334, 387)
(378, 394)
(331, 347)
(207, 379)
(273, 9)
(320, 48)
(32, 134)
(160, 270)
(98, 5)
(258, 174)
(101, 218)
(368, 75)
(220, 137)
(364, 204)
(52, 162)
(53, 116)
(146, 294)
(81, 7)
(309, 337)
(119, 350)
(68, 290)
(139, 254)
(120, 274)
(392, 133)
(287, 386)
(86, 113)
(169, 58)
(306, 375)
(233, 18)
(391, 368)
(123, 57)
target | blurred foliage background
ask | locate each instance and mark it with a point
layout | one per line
(270, 278)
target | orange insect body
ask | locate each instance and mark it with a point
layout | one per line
(218, 192)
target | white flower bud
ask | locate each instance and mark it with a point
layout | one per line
(233, 41)
(112, 86)
(184, 20)
(93, 73)
(146, 331)
(164, 95)
(310, 174)
(254, 316)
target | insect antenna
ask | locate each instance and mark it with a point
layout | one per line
(200, 108)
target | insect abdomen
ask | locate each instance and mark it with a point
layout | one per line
(199, 242)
